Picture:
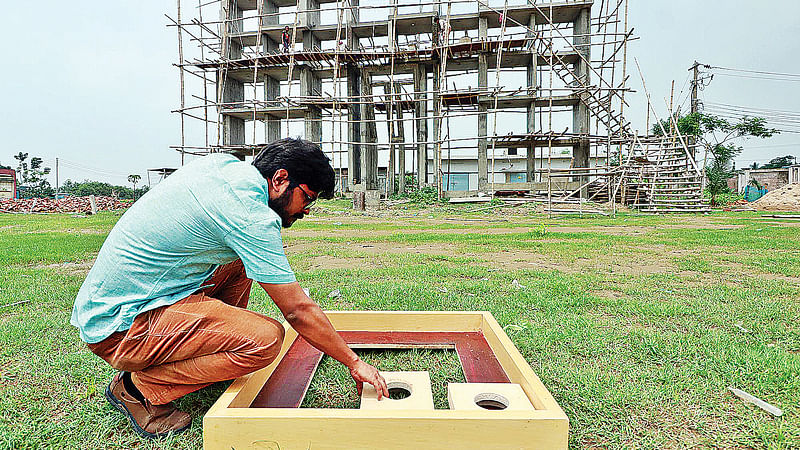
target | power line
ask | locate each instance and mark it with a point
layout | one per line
(755, 108)
(775, 145)
(757, 77)
(754, 71)
(770, 119)
(80, 167)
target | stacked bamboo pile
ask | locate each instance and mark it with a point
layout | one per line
(81, 205)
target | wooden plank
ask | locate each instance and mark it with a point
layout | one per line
(289, 382)
(479, 362)
(390, 430)
(517, 367)
(405, 320)
(230, 423)
(476, 356)
(244, 389)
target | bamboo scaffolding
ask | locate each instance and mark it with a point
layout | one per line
(390, 57)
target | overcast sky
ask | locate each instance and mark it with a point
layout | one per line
(94, 84)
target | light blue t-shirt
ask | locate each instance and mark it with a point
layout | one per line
(210, 212)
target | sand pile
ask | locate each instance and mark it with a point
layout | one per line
(786, 198)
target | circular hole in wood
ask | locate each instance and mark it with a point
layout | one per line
(491, 401)
(398, 390)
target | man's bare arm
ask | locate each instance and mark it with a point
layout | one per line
(307, 318)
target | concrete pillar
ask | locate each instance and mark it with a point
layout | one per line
(388, 89)
(531, 110)
(483, 82)
(228, 90)
(267, 44)
(391, 182)
(272, 86)
(352, 15)
(420, 116)
(354, 125)
(400, 139)
(269, 8)
(272, 90)
(390, 168)
(311, 86)
(353, 74)
(580, 112)
(436, 74)
(369, 137)
(437, 124)
(309, 15)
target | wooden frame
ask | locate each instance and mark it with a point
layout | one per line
(237, 420)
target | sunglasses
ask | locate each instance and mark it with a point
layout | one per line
(309, 199)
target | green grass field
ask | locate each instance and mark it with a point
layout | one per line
(636, 324)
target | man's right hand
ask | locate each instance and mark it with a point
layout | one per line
(309, 321)
(364, 373)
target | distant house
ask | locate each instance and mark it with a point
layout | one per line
(8, 183)
(770, 179)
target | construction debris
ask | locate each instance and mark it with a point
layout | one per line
(781, 216)
(740, 327)
(738, 206)
(786, 198)
(81, 205)
(14, 304)
(774, 410)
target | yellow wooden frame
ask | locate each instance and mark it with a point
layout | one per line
(230, 423)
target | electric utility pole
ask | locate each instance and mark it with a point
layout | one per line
(696, 70)
(694, 107)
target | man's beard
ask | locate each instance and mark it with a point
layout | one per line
(279, 206)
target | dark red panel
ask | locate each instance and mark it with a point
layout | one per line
(287, 385)
(477, 358)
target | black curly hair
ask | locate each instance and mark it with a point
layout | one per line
(303, 160)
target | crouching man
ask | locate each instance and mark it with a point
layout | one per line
(165, 302)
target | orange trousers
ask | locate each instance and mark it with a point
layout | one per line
(207, 337)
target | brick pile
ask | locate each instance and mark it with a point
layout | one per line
(65, 205)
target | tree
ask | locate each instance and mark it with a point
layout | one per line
(87, 187)
(716, 135)
(780, 162)
(32, 182)
(133, 179)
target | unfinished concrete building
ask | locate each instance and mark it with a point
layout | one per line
(468, 96)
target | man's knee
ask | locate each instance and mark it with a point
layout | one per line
(268, 338)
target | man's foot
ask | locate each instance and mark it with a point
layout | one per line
(149, 420)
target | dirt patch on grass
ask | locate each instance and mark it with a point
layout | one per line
(326, 262)
(349, 232)
(526, 226)
(782, 224)
(507, 259)
(379, 248)
(69, 268)
(754, 272)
